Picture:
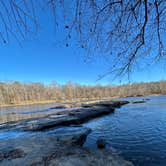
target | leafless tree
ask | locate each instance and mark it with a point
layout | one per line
(129, 32)
(22, 93)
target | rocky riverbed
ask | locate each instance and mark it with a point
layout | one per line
(53, 140)
(65, 117)
(60, 147)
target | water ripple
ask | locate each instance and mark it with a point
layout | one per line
(137, 131)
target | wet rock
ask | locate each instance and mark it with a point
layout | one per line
(137, 102)
(86, 105)
(71, 135)
(114, 104)
(146, 99)
(111, 104)
(101, 143)
(80, 141)
(138, 95)
(71, 116)
(60, 107)
(68, 117)
(13, 113)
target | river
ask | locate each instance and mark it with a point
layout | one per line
(135, 131)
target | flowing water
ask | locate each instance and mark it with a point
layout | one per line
(135, 131)
(8, 114)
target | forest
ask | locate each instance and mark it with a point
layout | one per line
(23, 93)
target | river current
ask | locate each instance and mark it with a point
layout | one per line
(135, 131)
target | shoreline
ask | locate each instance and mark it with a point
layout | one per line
(65, 117)
(30, 103)
(63, 136)
(62, 146)
(53, 102)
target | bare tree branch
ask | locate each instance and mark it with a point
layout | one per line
(125, 30)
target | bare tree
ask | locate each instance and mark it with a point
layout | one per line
(129, 32)
(22, 93)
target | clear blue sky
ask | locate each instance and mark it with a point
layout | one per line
(45, 58)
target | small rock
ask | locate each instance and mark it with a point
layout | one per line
(60, 107)
(137, 102)
(101, 143)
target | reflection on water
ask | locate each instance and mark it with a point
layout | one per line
(136, 131)
(8, 114)
(11, 134)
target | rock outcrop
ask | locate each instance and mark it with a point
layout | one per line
(66, 117)
(46, 140)
(62, 146)
(138, 102)
(101, 143)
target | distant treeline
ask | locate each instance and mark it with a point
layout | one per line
(20, 93)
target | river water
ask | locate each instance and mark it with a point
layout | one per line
(8, 114)
(135, 131)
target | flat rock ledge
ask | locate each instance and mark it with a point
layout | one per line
(66, 117)
(58, 147)
(91, 104)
